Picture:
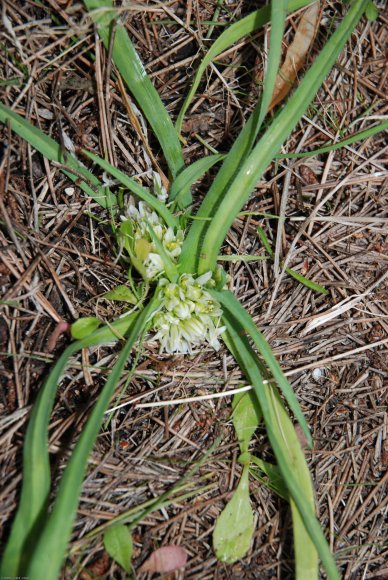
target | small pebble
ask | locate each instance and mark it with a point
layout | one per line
(317, 374)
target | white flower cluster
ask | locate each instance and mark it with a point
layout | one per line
(188, 315)
(143, 247)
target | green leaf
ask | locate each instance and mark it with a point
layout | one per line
(122, 294)
(169, 266)
(234, 529)
(306, 282)
(231, 305)
(118, 543)
(126, 239)
(140, 191)
(186, 178)
(50, 549)
(52, 150)
(286, 446)
(246, 418)
(234, 32)
(241, 147)
(31, 514)
(265, 241)
(372, 12)
(274, 479)
(223, 204)
(135, 76)
(278, 16)
(84, 327)
(383, 126)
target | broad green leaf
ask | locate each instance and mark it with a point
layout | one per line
(371, 11)
(306, 561)
(142, 248)
(108, 333)
(122, 294)
(234, 32)
(230, 304)
(52, 150)
(140, 191)
(135, 76)
(246, 418)
(234, 529)
(285, 444)
(225, 204)
(84, 327)
(31, 514)
(186, 178)
(50, 550)
(118, 543)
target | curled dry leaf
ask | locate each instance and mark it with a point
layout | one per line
(61, 328)
(166, 559)
(296, 54)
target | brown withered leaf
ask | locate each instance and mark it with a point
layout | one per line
(308, 174)
(296, 54)
(166, 559)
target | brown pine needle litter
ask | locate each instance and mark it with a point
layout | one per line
(57, 260)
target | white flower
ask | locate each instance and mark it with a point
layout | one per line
(159, 189)
(139, 242)
(188, 315)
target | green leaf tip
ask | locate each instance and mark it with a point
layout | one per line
(119, 545)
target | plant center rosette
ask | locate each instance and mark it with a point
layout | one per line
(188, 316)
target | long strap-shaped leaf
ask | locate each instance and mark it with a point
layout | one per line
(52, 150)
(131, 69)
(234, 32)
(232, 201)
(383, 126)
(36, 467)
(244, 142)
(286, 447)
(51, 548)
(230, 304)
(191, 174)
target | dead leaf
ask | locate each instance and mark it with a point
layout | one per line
(61, 328)
(166, 559)
(296, 54)
(308, 174)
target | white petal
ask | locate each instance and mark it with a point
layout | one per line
(204, 278)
